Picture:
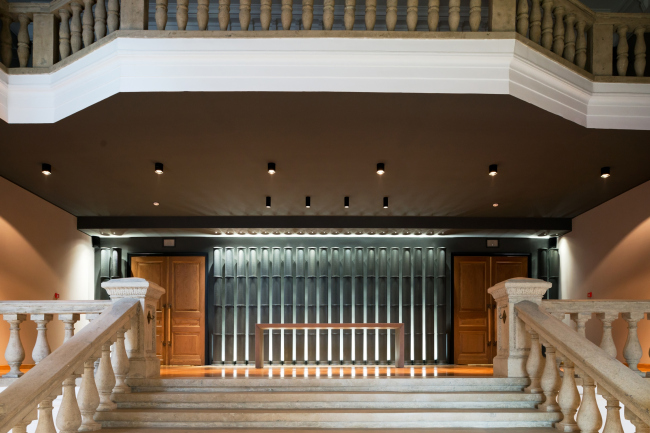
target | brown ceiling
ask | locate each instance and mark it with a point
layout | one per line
(215, 147)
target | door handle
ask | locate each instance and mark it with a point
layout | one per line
(489, 311)
(169, 325)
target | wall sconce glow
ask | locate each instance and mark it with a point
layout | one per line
(380, 168)
(496, 205)
(385, 202)
(346, 202)
(156, 203)
(268, 202)
(158, 168)
(605, 172)
(493, 170)
(271, 167)
(46, 169)
(307, 202)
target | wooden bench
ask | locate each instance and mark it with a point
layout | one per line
(260, 327)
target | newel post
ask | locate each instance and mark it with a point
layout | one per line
(502, 16)
(134, 15)
(513, 342)
(140, 340)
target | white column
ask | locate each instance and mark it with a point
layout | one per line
(41, 347)
(14, 354)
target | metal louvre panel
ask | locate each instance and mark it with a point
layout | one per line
(276, 304)
(217, 335)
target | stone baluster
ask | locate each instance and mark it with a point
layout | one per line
(568, 398)
(632, 351)
(286, 13)
(100, 19)
(474, 15)
(202, 14)
(558, 31)
(580, 320)
(547, 24)
(23, 40)
(105, 380)
(69, 321)
(371, 14)
(68, 420)
(581, 45)
(534, 363)
(569, 37)
(588, 419)
(5, 40)
(14, 354)
(433, 15)
(245, 14)
(411, 15)
(454, 15)
(328, 14)
(535, 32)
(21, 427)
(120, 362)
(224, 14)
(113, 20)
(41, 347)
(308, 14)
(265, 14)
(622, 51)
(522, 17)
(181, 14)
(639, 52)
(88, 397)
(45, 420)
(391, 15)
(161, 14)
(640, 426)
(64, 33)
(613, 418)
(550, 381)
(88, 23)
(607, 342)
(75, 26)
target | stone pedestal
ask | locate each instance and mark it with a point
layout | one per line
(502, 16)
(141, 338)
(45, 40)
(512, 339)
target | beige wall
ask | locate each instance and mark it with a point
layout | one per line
(608, 254)
(41, 252)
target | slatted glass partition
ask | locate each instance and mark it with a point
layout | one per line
(372, 284)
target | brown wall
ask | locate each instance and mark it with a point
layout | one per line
(608, 254)
(41, 252)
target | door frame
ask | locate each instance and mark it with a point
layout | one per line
(451, 287)
(207, 268)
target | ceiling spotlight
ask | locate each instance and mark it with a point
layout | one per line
(496, 205)
(271, 167)
(307, 202)
(346, 202)
(385, 202)
(156, 203)
(268, 202)
(46, 169)
(158, 168)
(493, 170)
(380, 168)
(604, 172)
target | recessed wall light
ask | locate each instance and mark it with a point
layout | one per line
(380, 168)
(46, 169)
(605, 172)
(271, 167)
(268, 202)
(385, 202)
(156, 203)
(346, 202)
(496, 205)
(158, 168)
(493, 170)
(307, 202)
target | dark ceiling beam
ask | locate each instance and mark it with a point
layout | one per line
(307, 222)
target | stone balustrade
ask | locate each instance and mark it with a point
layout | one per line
(42, 313)
(606, 311)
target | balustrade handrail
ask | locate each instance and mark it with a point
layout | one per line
(568, 306)
(44, 380)
(53, 307)
(621, 382)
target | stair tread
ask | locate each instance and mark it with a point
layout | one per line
(405, 410)
(364, 430)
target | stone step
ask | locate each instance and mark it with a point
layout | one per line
(327, 400)
(273, 430)
(323, 418)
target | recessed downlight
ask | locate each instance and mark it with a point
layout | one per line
(385, 202)
(46, 169)
(496, 205)
(271, 167)
(493, 170)
(307, 202)
(158, 168)
(381, 168)
(268, 202)
(156, 203)
(346, 202)
(605, 172)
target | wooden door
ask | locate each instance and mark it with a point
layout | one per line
(474, 309)
(180, 316)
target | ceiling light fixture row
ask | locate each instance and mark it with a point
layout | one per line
(346, 202)
(381, 168)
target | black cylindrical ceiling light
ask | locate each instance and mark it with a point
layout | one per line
(46, 169)
(385, 202)
(493, 170)
(268, 202)
(380, 168)
(271, 167)
(605, 172)
(346, 202)
(158, 168)
(307, 202)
